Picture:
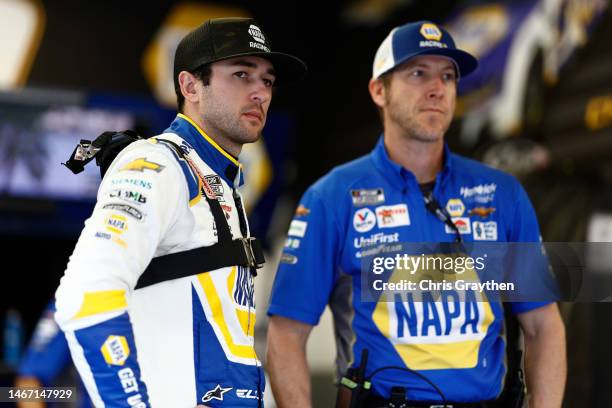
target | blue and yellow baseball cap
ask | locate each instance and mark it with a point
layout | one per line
(420, 38)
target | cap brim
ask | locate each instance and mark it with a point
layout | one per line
(287, 68)
(466, 63)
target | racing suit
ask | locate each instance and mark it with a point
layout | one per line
(370, 204)
(174, 343)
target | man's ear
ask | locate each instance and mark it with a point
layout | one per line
(377, 92)
(187, 81)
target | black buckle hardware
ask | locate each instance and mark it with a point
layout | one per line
(252, 259)
(85, 150)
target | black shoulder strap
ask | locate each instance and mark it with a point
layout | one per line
(223, 231)
(244, 251)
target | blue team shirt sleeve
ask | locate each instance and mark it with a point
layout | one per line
(307, 272)
(524, 228)
(47, 354)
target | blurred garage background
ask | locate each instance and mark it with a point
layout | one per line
(540, 106)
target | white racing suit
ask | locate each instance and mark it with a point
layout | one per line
(176, 343)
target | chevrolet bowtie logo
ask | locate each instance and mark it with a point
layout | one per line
(142, 164)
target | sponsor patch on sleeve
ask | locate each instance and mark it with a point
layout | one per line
(298, 228)
(141, 164)
(127, 209)
(115, 350)
(288, 259)
(127, 195)
(116, 223)
(292, 243)
(301, 211)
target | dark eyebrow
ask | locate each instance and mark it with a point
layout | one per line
(249, 64)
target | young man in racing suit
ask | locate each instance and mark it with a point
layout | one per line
(390, 197)
(157, 299)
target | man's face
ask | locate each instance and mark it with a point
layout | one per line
(235, 103)
(420, 97)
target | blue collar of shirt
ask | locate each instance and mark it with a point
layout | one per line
(222, 163)
(399, 175)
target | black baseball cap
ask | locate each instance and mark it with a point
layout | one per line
(222, 38)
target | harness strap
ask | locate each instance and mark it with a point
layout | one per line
(226, 252)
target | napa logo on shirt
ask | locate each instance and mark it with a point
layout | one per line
(433, 330)
(115, 350)
(455, 207)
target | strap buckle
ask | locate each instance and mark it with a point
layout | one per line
(253, 253)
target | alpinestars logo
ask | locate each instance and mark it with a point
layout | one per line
(215, 394)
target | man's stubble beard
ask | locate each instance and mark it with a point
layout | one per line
(226, 124)
(411, 128)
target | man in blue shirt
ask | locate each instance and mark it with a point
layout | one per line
(45, 361)
(391, 196)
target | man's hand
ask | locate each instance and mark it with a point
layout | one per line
(29, 382)
(545, 356)
(286, 362)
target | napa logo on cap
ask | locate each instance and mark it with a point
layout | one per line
(115, 350)
(260, 39)
(256, 34)
(431, 32)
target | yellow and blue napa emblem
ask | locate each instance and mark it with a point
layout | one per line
(115, 350)
(431, 32)
(455, 207)
(434, 329)
(116, 223)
